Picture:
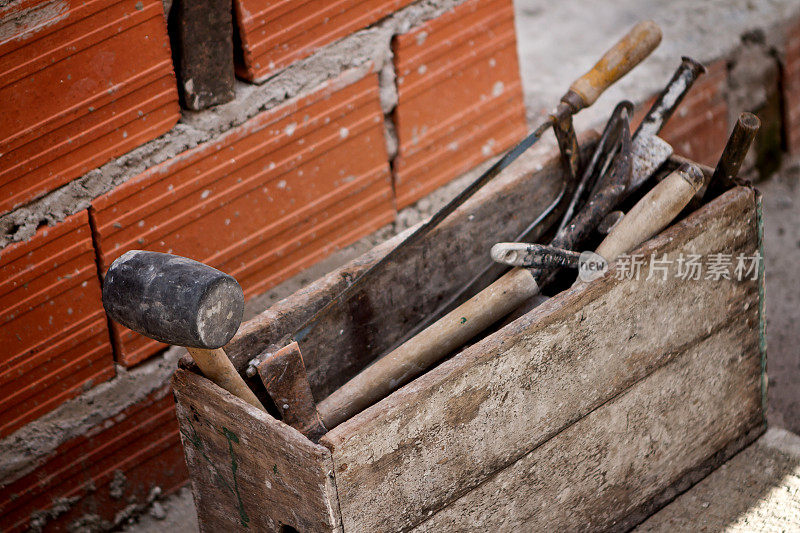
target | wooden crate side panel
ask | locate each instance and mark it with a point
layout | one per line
(595, 472)
(250, 472)
(445, 433)
(419, 280)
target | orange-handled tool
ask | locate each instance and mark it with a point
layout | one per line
(618, 61)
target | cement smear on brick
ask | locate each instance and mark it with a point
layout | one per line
(28, 447)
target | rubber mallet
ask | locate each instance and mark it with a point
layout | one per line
(180, 301)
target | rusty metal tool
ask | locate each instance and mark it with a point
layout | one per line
(653, 212)
(600, 160)
(727, 170)
(610, 189)
(725, 175)
(572, 191)
(659, 113)
(528, 255)
(644, 153)
(615, 63)
(183, 302)
(609, 222)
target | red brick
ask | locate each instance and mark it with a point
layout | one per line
(52, 326)
(264, 200)
(459, 95)
(275, 34)
(791, 89)
(141, 443)
(85, 82)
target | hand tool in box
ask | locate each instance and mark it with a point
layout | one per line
(540, 256)
(649, 216)
(726, 173)
(418, 353)
(617, 62)
(571, 190)
(531, 255)
(647, 152)
(496, 301)
(183, 302)
(646, 218)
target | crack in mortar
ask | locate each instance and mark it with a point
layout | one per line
(340, 63)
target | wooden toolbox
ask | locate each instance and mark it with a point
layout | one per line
(588, 413)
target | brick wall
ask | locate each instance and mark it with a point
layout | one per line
(316, 155)
(459, 95)
(345, 113)
(91, 480)
(54, 335)
(79, 86)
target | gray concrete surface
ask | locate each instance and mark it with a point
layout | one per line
(174, 514)
(702, 29)
(757, 491)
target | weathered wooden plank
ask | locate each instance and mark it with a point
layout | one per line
(250, 472)
(596, 471)
(446, 433)
(439, 264)
(284, 377)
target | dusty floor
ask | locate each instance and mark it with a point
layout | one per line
(174, 514)
(757, 491)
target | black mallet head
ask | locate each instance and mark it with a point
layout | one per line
(173, 299)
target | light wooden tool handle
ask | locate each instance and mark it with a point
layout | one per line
(215, 365)
(618, 61)
(653, 212)
(428, 347)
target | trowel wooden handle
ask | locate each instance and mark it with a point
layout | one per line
(428, 347)
(653, 212)
(618, 61)
(215, 365)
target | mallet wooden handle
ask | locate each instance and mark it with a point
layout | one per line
(216, 366)
(618, 61)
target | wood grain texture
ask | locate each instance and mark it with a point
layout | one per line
(250, 472)
(428, 445)
(395, 301)
(597, 470)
